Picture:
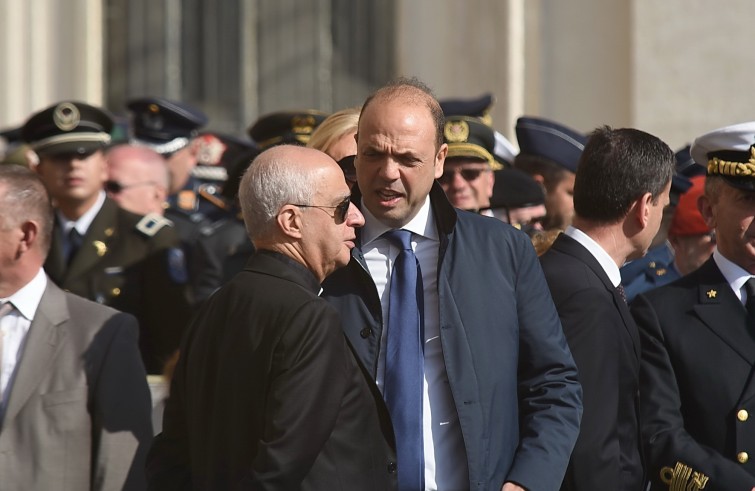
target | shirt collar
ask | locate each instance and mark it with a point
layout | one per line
(26, 300)
(735, 275)
(83, 223)
(605, 261)
(423, 224)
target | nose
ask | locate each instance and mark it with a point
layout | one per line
(389, 170)
(354, 217)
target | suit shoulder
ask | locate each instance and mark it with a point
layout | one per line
(92, 313)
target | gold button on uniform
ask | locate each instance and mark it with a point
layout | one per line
(115, 291)
(742, 415)
(742, 457)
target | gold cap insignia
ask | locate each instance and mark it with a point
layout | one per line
(303, 124)
(100, 247)
(153, 108)
(712, 293)
(456, 131)
(66, 116)
(683, 477)
(733, 169)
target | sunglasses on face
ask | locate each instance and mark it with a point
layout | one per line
(468, 175)
(115, 187)
(340, 213)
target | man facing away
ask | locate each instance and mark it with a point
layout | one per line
(620, 190)
(74, 401)
(266, 393)
(449, 313)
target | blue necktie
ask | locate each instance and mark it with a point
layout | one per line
(74, 244)
(404, 362)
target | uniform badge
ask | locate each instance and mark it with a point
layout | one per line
(100, 247)
(660, 271)
(177, 266)
(683, 477)
(109, 232)
(66, 116)
(186, 200)
(711, 293)
(303, 124)
(456, 131)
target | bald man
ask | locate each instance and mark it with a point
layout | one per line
(267, 394)
(138, 179)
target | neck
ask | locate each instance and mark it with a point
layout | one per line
(610, 237)
(73, 210)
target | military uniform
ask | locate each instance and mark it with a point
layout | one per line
(123, 260)
(697, 380)
(133, 264)
(655, 269)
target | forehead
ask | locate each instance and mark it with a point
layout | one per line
(398, 119)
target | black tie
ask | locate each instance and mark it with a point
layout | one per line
(74, 243)
(750, 304)
(621, 291)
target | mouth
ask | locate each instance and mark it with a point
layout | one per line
(388, 197)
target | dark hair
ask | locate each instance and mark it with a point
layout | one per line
(408, 87)
(24, 197)
(616, 168)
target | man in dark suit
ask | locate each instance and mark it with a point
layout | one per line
(698, 343)
(267, 394)
(100, 251)
(487, 398)
(74, 400)
(621, 188)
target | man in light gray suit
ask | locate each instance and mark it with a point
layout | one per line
(74, 400)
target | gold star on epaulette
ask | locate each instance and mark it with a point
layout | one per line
(660, 272)
(712, 293)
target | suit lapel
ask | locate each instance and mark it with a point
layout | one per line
(571, 247)
(46, 335)
(95, 242)
(722, 312)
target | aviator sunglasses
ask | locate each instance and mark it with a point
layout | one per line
(468, 175)
(341, 209)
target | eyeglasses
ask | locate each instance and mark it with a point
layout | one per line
(341, 209)
(116, 187)
(467, 174)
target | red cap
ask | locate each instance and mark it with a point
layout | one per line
(687, 219)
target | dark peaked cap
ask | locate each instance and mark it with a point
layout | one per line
(68, 127)
(285, 127)
(551, 140)
(162, 124)
(515, 188)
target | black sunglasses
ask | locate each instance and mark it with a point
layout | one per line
(115, 187)
(467, 174)
(341, 209)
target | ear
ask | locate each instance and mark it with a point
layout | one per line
(29, 237)
(705, 206)
(440, 160)
(539, 179)
(289, 221)
(641, 209)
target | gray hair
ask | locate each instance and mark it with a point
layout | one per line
(268, 184)
(24, 197)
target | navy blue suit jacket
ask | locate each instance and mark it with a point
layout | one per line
(511, 374)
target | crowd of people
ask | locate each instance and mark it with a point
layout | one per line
(392, 296)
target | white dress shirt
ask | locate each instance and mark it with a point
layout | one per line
(445, 457)
(15, 327)
(606, 262)
(735, 275)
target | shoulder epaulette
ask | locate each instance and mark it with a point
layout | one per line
(151, 223)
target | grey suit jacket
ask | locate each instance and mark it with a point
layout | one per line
(78, 415)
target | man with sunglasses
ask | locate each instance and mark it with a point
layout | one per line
(448, 312)
(138, 179)
(266, 393)
(100, 251)
(467, 177)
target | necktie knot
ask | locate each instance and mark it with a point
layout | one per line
(400, 238)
